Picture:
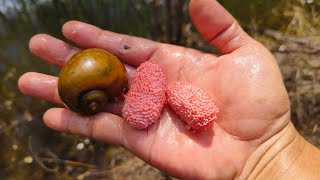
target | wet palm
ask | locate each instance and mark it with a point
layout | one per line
(245, 83)
(245, 86)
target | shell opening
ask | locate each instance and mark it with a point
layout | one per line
(93, 102)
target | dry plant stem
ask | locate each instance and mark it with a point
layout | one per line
(69, 162)
(285, 156)
(307, 41)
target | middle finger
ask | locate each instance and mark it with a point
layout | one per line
(51, 49)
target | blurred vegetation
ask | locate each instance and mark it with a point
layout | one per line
(289, 28)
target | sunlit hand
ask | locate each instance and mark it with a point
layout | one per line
(244, 82)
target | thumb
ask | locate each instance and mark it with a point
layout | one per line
(217, 25)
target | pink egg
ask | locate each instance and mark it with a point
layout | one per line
(193, 105)
(146, 96)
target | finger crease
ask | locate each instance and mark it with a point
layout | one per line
(72, 51)
(211, 39)
(236, 33)
(91, 122)
(68, 118)
(56, 96)
(149, 159)
(152, 53)
(99, 40)
(122, 136)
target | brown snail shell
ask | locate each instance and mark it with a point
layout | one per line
(89, 79)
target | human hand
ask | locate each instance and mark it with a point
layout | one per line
(244, 82)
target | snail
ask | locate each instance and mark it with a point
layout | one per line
(91, 78)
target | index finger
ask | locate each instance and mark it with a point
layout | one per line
(131, 50)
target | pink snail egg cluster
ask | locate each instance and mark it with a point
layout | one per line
(146, 96)
(193, 105)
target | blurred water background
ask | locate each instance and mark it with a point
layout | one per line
(289, 28)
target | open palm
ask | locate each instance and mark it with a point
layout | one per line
(245, 83)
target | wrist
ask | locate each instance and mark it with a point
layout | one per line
(285, 155)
